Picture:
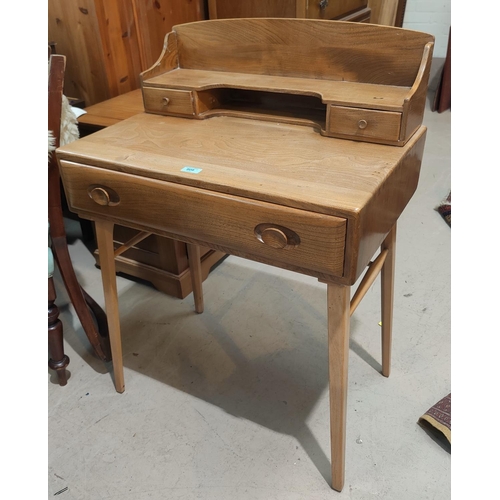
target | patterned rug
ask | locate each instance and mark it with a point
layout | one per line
(444, 208)
(439, 417)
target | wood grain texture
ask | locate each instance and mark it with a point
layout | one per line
(224, 220)
(155, 18)
(194, 256)
(104, 233)
(335, 9)
(383, 11)
(86, 72)
(294, 71)
(338, 363)
(108, 43)
(291, 166)
(355, 52)
(111, 111)
(387, 291)
(373, 96)
(226, 9)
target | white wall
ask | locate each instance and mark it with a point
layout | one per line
(430, 16)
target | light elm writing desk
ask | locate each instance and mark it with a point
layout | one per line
(276, 193)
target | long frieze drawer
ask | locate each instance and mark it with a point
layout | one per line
(168, 102)
(250, 228)
(364, 123)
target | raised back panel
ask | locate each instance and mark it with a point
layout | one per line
(332, 50)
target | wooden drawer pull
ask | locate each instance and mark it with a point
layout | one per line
(104, 196)
(166, 100)
(362, 124)
(276, 236)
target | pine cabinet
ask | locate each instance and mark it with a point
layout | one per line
(107, 43)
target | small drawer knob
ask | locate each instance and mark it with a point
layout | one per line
(100, 196)
(166, 100)
(104, 196)
(275, 236)
(362, 124)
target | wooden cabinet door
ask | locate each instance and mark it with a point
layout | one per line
(355, 10)
(333, 9)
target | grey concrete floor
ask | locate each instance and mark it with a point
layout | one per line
(233, 403)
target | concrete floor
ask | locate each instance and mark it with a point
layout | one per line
(233, 403)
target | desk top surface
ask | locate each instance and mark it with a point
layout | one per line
(285, 164)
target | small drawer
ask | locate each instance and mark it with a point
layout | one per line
(364, 123)
(168, 102)
(266, 232)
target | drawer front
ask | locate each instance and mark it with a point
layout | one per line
(364, 123)
(264, 231)
(168, 102)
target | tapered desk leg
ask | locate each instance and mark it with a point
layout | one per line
(387, 280)
(194, 256)
(338, 297)
(104, 233)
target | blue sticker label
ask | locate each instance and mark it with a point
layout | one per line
(191, 170)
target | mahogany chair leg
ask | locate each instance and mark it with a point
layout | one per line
(58, 360)
(98, 339)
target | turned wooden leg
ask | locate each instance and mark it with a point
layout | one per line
(387, 280)
(58, 360)
(338, 297)
(99, 343)
(194, 257)
(104, 234)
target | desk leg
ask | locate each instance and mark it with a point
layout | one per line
(387, 292)
(194, 257)
(104, 233)
(338, 297)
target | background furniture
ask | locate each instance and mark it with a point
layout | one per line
(90, 314)
(442, 98)
(109, 42)
(340, 10)
(162, 261)
(387, 12)
(58, 360)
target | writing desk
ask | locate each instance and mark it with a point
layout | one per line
(276, 193)
(292, 142)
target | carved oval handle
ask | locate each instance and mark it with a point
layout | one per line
(166, 100)
(275, 236)
(323, 4)
(362, 124)
(104, 196)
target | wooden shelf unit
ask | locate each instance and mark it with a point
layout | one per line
(348, 80)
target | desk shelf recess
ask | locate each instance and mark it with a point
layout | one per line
(347, 80)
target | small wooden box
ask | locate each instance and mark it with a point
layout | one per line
(348, 80)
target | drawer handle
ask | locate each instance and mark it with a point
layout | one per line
(166, 100)
(276, 236)
(104, 196)
(362, 124)
(323, 4)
